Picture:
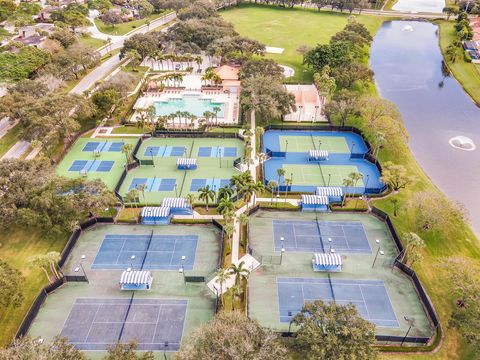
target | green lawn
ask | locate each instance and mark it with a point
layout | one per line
(9, 139)
(123, 28)
(17, 246)
(467, 74)
(90, 41)
(291, 28)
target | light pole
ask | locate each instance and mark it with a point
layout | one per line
(165, 350)
(281, 255)
(290, 322)
(410, 323)
(353, 147)
(151, 154)
(286, 147)
(182, 270)
(379, 251)
(329, 176)
(330, 242)
(176, 191)
(282, 240)
(219, 153)
(278, 196)
(131, 261)
(319, 144)
(366, 183)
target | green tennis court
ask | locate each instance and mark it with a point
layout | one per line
(86, 150)
(215, 168)
(333, 144)
(333, 175)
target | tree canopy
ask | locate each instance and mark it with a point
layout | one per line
(231, 336)
(332, 331)
(11, 285)
(32, 349)
(31, 195)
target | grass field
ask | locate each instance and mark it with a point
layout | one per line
(123, 28)
(467, 74)
(9, 139)
(90, 41)
(290, 29)
(17, 246)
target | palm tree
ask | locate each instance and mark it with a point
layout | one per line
(216, 110)
(225, 191)
(272, 184)
(249, 189)
(280, 173)
(243, 221)
(131, 197)
(190, 199)
(222, 277)
(225, 205)
(346, 183)
(206, 194)
(141, 188)
(260, 130)
(288, 182)
(239, 271)
(237, 292)
(127, 150)
(229, 230)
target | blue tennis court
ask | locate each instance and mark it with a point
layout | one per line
(104, 146)
(94, 324)
(153, 184)
(214, 184)
(162, 252)
(92, 165)
(313, 236)
(217, 151)
(369, 296)
(165, 151)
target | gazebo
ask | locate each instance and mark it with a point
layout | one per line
(155, 215)
(317, 155)
(177, 206)
(186, 164)
(136, 280)
(334, 193)
(330, 262)
(314, 203)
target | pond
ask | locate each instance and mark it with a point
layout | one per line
(408, 71)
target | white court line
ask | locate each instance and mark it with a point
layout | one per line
(91, 324)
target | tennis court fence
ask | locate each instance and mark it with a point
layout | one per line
(42, 295)
(425, 299)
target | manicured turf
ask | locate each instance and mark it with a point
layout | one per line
(290, 29)
(76, 153)
(123, 28)
(16, 248)
(467, 74)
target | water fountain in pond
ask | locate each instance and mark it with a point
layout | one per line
(408, 28)
(462, 143)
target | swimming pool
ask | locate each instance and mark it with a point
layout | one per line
(194, 104)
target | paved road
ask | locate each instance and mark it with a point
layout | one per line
(108, 66)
